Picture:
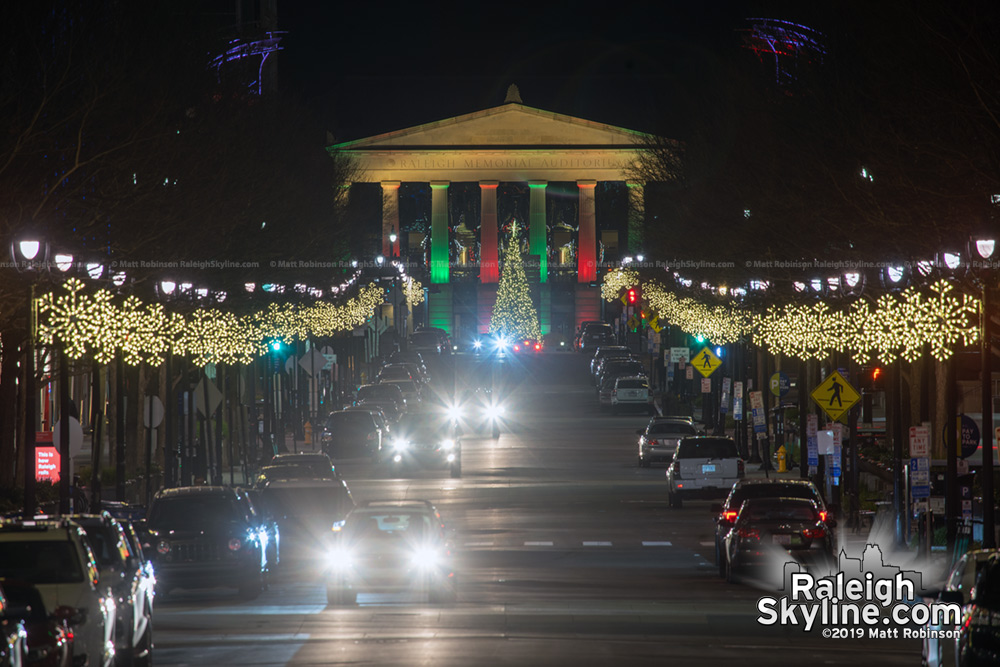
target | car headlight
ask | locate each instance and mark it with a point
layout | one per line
(454, 413)
(337, 526)
(425, 558)
(340, 558)
(494, 411)
(477, 344)
(400, 444)
(448, 444)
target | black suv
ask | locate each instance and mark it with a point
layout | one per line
(208, 536)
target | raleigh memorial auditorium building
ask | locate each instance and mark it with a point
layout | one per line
(511, 142)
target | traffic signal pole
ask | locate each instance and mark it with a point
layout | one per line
(989, 537)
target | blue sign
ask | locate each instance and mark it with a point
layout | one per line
(780, 384)
(812, 446)
(968, 441)
(920, 491)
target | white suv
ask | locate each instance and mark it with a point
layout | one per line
(632, 391)
(703, 467)
(54, 556)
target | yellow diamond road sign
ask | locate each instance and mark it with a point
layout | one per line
(706, 362)
(835, 395)
(654, 324)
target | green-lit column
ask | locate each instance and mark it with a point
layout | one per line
(440, 255)
(636, 216)
(538, 241)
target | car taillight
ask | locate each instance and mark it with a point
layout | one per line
(538, 346)
(822, 515)
(813, 533)
(235, 544)
(517, 348)
(654, 443)
(729, 516)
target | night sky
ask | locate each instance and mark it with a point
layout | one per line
(371, 67)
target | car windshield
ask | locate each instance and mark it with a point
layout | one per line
(707, 448)
(299, 471)
(771, 491)
(407, 386)
(395, 372)
(40, 562)
(352, 421)
(316, 500)
(194, 511)
(424, 339)
(632, 384)
(407, 526)
(103, 545)
(759, 509)
(671, 429)
(422, 423)
(379, 392)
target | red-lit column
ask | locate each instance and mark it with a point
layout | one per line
(586, 255)
(489, 270)
(390, 218)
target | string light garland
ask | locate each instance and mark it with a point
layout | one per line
(514, 315)
(93, 324)
(895, 325)
(414, 292)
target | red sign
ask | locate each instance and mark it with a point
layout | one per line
(47, 464)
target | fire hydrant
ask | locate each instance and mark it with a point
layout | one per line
(782, 455)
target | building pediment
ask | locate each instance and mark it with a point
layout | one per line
(507, 126)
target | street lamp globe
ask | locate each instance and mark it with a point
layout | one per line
(64, 261)
(249, 287)
(29, 249)
(952, 260)
(985, 247)
(380, 260)
(167, 286)
(392, 238)
(118, 279)
(95, 270)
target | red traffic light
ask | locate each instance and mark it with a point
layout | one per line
(876, 374)
(633, 296)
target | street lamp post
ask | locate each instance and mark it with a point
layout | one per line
(985, 247)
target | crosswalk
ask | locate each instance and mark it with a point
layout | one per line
(566, 544)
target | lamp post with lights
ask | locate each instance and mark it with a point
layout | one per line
(27, 253)
(984, 248)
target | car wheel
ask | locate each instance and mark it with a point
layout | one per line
(340, 597)
(251, 590)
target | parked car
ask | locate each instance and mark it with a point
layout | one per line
(632, 392)
(13, 632)
(607, 352)
(206, 537)
(703, 467)
(318, 463)
(596, 335)
(938, 651)
(306, 511)
(396, 372)
(619, 367)
(122, 570)
(978, 633)
(426, 439)
(658, 441)
(48, 636)
(55, 557)
(791, 524)
(391, 547)
(351, 434)
(727, 512)
(605, 392)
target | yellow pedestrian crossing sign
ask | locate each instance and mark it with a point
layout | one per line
(706, 361)
(633, 323)
(835, 395)
(654, 324)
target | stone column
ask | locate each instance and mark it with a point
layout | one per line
(390, 218)
(538, 237)
(440, 243)
(489, 270)
(636, 216)
(586, 246)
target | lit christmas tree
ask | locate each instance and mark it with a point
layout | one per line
(514, 316)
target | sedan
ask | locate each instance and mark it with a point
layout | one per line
(658, 441)
(768, 530)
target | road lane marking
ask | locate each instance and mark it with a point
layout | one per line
(597, 544)
(479, 544)
(707, 544)
(538, 544)
(657, 544)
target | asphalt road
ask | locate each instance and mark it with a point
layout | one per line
(566, 554)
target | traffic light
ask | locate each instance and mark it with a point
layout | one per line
(633, 296)
(873, 378)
